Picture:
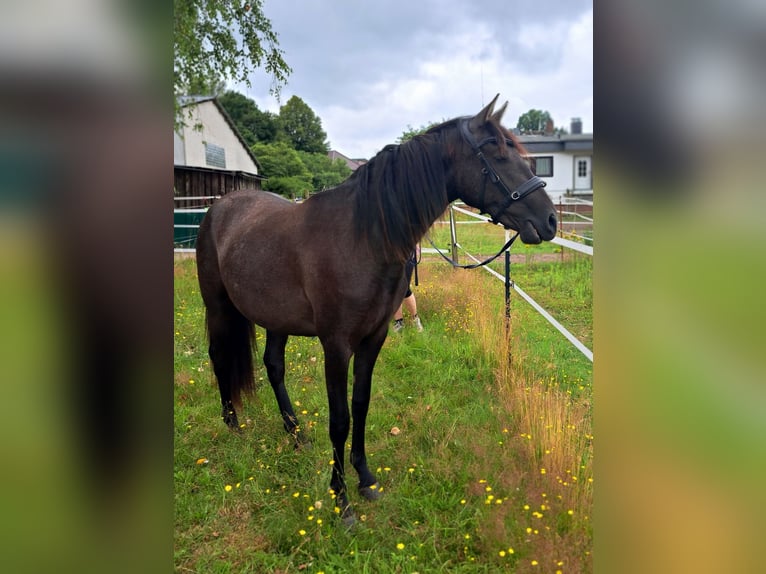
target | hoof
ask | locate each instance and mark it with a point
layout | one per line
(302, 441)
(229, 416)
(348, 518)
(303, 444)
(371, 492)
(232, 423)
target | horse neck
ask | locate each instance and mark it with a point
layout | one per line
(402, 191)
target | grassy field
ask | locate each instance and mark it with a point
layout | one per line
(491, 470)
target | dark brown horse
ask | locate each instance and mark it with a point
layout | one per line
(333, 266)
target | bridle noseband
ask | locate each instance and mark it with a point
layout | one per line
(522, 191)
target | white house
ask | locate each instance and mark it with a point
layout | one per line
(209, 139)
(210, 157)
(564, 162)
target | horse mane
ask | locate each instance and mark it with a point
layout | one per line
(402, 190)
(502, 135)
(399, 193)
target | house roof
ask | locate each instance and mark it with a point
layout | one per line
(353, 164)
(563, 142)
(187, 101)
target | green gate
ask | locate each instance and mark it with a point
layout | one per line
(185, 227)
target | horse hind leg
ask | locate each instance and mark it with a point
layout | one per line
(230, 333)
(231, 338)
(274, 360)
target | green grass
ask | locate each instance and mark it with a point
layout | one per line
(563, 287)
(467, 420)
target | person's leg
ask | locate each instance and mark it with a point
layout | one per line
(411, 305)
(398, 319)
(398, 316)
(412, 308)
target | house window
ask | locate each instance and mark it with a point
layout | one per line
(582, 168)
(215, 156)
(542, 166)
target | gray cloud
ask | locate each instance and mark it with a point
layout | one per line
(371, 69)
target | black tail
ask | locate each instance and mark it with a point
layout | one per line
(231, 351)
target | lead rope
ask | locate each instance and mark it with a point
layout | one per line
(474, 265)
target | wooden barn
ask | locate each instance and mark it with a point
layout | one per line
(210, 159)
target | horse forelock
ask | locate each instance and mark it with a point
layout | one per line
(400, 192)
(495, 129)
(504, 134)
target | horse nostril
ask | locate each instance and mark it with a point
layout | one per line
(552, 220)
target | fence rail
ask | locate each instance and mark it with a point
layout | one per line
(566, 243)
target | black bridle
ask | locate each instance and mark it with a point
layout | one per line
(532, 184)
(522, 191)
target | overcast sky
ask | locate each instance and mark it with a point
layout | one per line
(371, 69)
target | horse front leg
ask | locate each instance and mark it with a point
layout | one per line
(274, 360)
(336, 374)
(364, 363)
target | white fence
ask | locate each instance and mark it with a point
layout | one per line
(571, 221)
(566, 243)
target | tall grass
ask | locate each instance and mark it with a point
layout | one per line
(493, 453)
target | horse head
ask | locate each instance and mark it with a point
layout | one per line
(492, 174)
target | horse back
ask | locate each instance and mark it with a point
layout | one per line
(297, 268)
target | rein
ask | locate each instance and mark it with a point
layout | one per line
(473, 265)
(532, 184)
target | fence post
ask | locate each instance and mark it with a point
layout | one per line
(507, 292)
(561, 227)
(453, 234)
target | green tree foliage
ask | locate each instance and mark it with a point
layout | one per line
(287, 174)
(207, 87)
(292, 171)
(533, 122)
(218, 39)
(254, 125)
(302, 127)
(411, 132)
(325, 173)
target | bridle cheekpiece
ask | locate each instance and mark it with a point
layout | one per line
(522, 191)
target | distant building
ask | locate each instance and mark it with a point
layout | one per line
(564, 161)
(210, 157)
(353, 164)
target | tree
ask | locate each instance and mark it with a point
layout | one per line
(302, 127)
(411, 132)
(254, 125)
(284, 168)
(207, 87)
(534, 122)
(218, 39)
(325, 172)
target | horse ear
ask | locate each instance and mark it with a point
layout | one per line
(483, 116)
(498, 115)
